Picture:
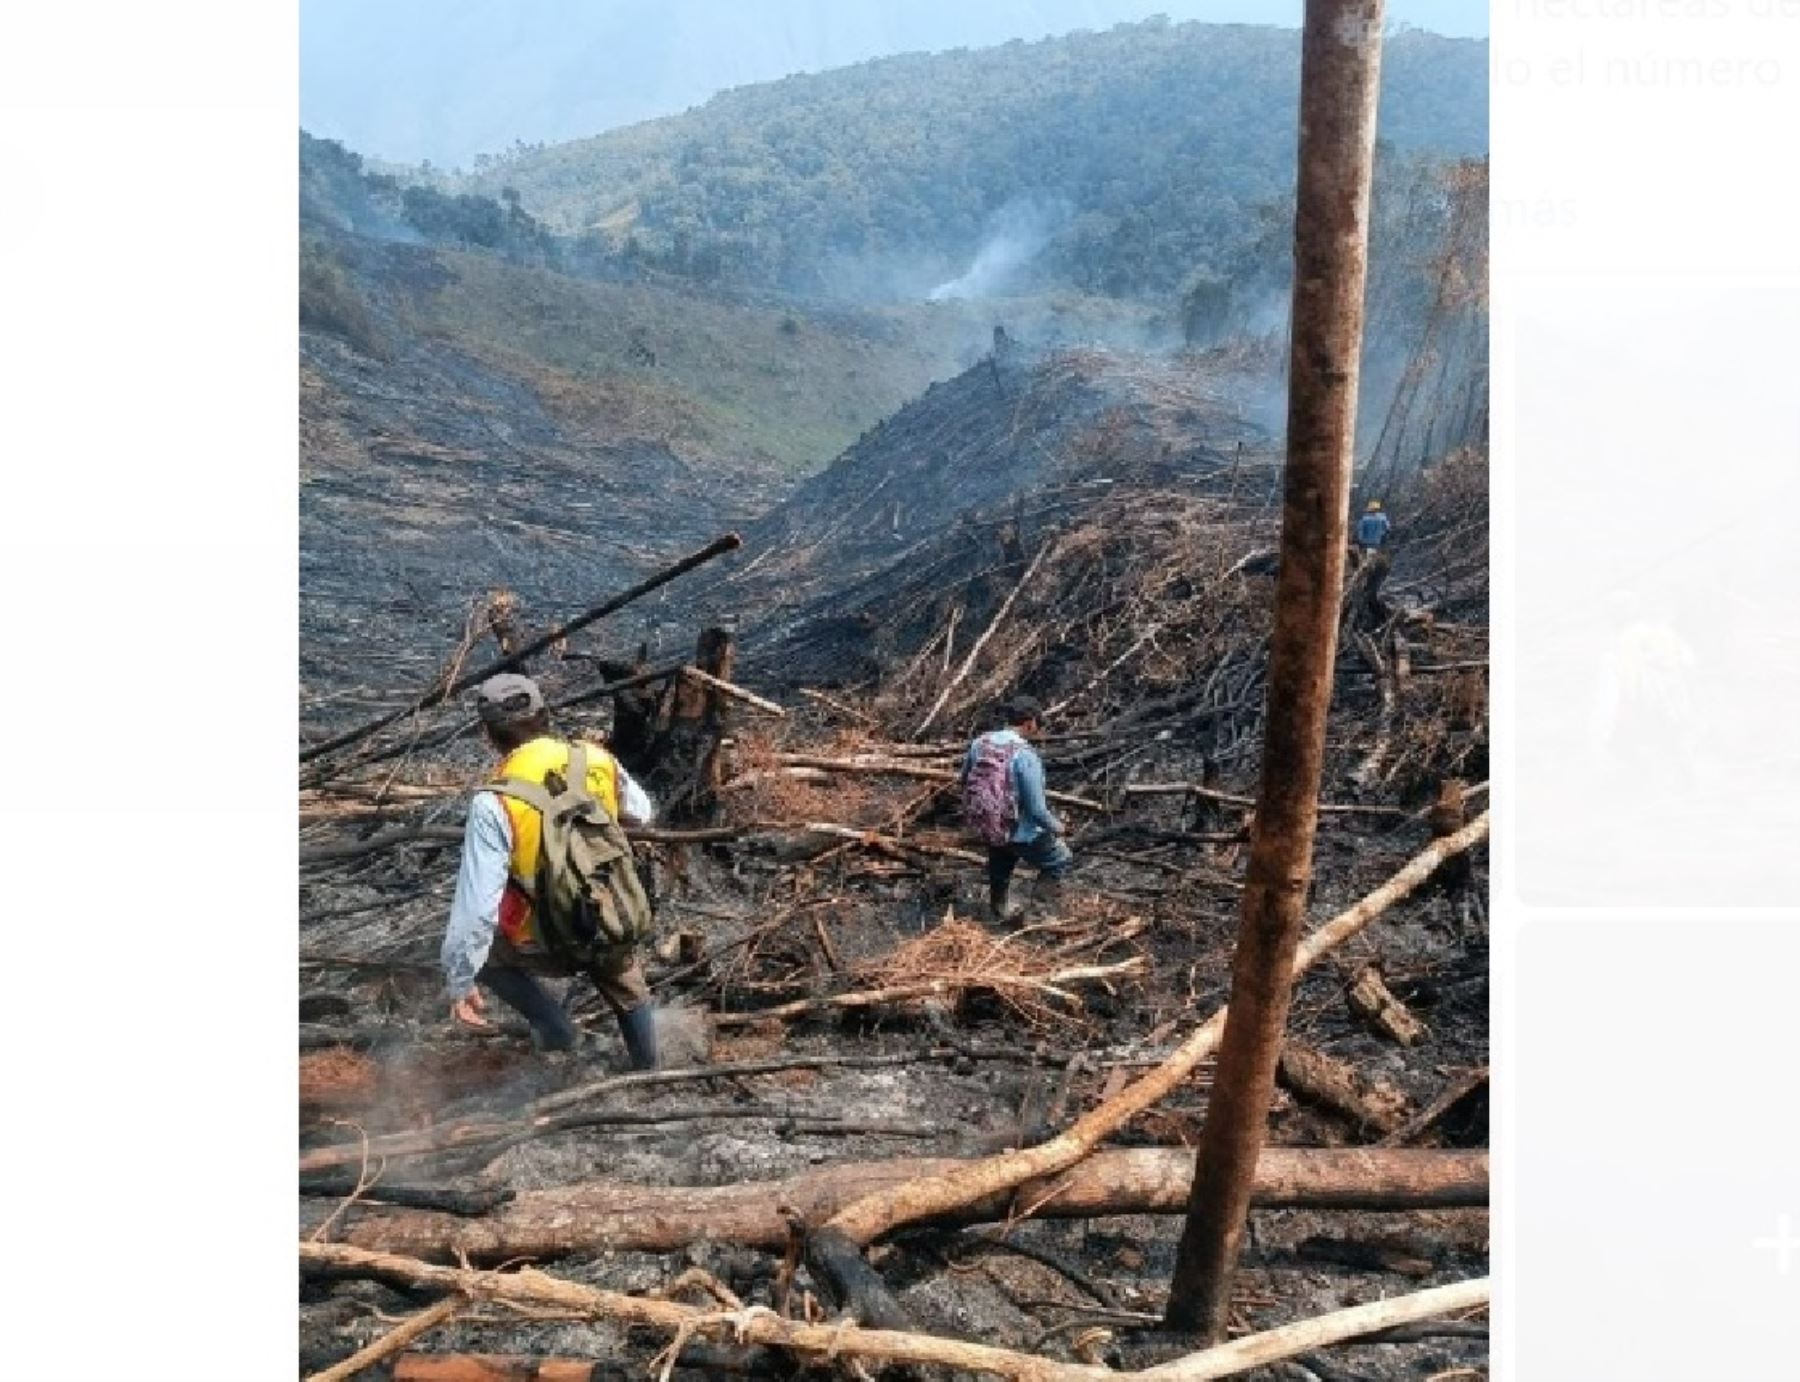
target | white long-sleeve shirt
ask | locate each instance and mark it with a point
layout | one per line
(481, 880)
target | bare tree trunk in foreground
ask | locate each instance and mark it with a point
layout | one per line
(1339, 78)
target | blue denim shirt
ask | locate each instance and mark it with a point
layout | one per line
(1027, 771)
(1372, 529)
(481, 879)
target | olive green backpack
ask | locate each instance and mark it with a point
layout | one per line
(587, 898)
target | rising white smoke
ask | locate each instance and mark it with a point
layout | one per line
(1016, 235)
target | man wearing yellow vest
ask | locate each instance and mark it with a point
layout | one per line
(492, 938)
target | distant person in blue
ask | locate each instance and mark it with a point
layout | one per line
(1371, 528)
(1003, 803)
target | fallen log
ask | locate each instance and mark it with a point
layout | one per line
(438, 694)
(759, 1325)
(699, 835)
(935, 1196)
(786, 1119)
(1368, 772)
(612, 1215)
(496, 1367)
(1338, 1086)
(1370, 1000)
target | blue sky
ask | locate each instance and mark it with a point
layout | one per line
(447, 79)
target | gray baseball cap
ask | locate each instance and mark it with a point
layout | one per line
(507, 699)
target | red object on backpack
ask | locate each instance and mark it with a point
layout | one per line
(989, 806)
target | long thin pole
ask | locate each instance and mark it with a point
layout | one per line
(1340, 67)
(719, 546)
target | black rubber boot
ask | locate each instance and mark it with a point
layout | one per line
(998, 906)
(638, 1027)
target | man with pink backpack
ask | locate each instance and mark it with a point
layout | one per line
(1003, 803)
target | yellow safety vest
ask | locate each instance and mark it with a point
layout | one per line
(533, 762)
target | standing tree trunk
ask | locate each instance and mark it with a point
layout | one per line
(687, 767)
(1339, 76)
(503, 620)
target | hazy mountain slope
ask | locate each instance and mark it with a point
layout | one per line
(1132, 156)
(771, 387)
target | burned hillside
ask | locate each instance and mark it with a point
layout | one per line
(1022, 435)
(1098, 530)
(471, 422)
(421, 461)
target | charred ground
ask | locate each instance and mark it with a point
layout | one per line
(1121, 511)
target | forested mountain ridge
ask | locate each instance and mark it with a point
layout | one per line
(1121, 162)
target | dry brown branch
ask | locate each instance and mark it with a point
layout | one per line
(860, 716)
(394, 1340)
(738, 693)
(889, 767)
(982, 642)
(889, 844)
(759, 1325)
(954, 958)
(958, 955)
(1272, 1345)
(363, 1181)
(1194, 789)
